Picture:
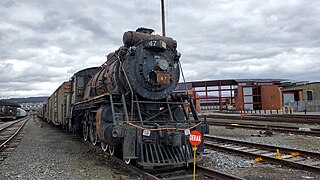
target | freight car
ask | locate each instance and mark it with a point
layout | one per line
(56, 106)
(128, 104)
(8, 110)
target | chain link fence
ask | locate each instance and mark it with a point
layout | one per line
(310, 106)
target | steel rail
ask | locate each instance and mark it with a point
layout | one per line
(140, 171)
(216, 174)
(17, 131)
(269, 147)
(267, 118)
(262, 125)
(251, 153)
(208, 172)
(285, 129)
(300, 116)
(12, 123)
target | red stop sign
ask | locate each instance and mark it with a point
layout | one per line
(195, 138)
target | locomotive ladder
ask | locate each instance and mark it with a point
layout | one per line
(115, 102)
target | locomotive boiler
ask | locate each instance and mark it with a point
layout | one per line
(129, 105)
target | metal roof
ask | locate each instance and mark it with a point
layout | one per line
(297, 87)
(228, 82)
(262, 80)
(213, 83)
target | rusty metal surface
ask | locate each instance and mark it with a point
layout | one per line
(109, 75)
(163, 78)
(57, 103)
(134, 74)
(98, 123)
(78, 82)
(131, 38)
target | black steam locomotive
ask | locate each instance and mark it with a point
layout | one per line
(128, 104)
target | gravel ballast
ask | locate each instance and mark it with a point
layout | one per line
(249, 169)
(46, 152)
(49, 153)
(303, 142)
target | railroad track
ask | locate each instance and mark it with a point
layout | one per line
(307, 119)
(182, 173)
(278, 128)
(201, 173)
(9, 132)
(168, 173)
(300, 159)
(300, 116)
(215, 174)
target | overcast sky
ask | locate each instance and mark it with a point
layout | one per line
(43, 43)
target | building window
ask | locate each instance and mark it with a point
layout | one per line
(247, 99)
(256, 90)
(247, 91)
(309, 96)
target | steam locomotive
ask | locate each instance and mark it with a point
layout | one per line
(129, 105)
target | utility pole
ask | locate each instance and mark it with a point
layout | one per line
(163, 19)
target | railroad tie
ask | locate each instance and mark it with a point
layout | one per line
(241, 148)
(286, 156)
(269, 154)
(296, 159)
(260, 152)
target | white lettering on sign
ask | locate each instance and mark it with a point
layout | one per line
(152, 43)
(146, 132)
(195, 138)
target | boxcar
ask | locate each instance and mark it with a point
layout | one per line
(56, 105)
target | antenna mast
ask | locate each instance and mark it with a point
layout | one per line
(163, 19)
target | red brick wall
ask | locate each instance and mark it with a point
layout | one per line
(239, 99)
(271, 98)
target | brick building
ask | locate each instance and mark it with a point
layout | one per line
(254, 94)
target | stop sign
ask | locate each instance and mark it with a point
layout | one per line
(195, 138)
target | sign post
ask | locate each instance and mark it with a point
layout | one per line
(195, 139)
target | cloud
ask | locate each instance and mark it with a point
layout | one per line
(42, 43)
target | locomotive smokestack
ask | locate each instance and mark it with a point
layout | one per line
(163, 19)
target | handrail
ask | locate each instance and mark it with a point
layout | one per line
(127, 80)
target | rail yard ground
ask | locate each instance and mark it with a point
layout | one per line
(48, 153)
(248, 168)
